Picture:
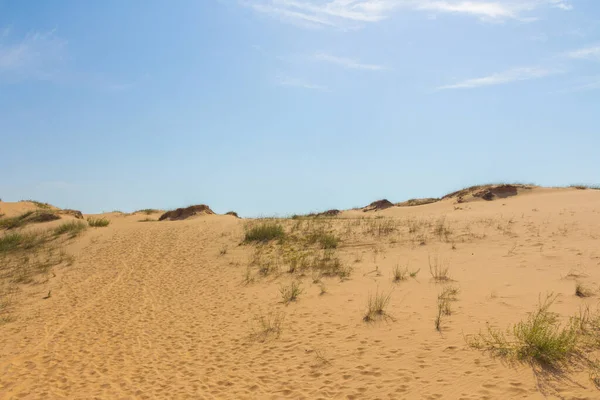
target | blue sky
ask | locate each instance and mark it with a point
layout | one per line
(283, 106)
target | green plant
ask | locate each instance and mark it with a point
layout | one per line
(541, 338)
(413, 274)
(324, 239)
(73, 228)
(376, 306)
(98, 222)
(27, 218)
(264, 232)
(291, 292)
(147, 211)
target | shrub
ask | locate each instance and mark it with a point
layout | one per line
(540, 338)
(264, 232)
(98, 222)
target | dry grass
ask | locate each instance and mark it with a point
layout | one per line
(290, 292)
(439, 272)
(267, 326)
(376, 306)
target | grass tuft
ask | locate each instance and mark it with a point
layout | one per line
(540, 339)
(73, 228)
(291, 292)
(98, 222)
(376, 306)
(264, 232)
(268, 325)
(437, 269)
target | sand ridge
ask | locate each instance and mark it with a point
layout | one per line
(162, 309)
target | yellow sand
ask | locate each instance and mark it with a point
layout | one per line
(154, 310)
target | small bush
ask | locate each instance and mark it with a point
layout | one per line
(376, 306)
(324, 239)
(264, 232)
(148, 220)
(98, 222)
(540, 338)
(73, 228)
(290, 293)
(147, 211)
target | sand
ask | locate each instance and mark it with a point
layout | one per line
(161, 309)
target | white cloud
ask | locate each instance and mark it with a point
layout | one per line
(299, 83)
(347, 62)
(586, 53)
(36, 56)
(341, 13)
(512, 75)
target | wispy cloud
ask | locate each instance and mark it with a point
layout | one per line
(345, 13)
(299, 83)
(36, 56)
(501, 78)
(347, 62)
(586, 53)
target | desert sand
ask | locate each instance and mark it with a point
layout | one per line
(169, 309)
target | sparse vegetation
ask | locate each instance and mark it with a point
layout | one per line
(376, 306)
(28, 217)
(98, 222)
(439, 272)
(290, 292)
(441, 230)
(324, 239)
(148, 220)
(264, 232)
(399, 274)
(73, 228)
(147, 211)
(444, 305)
(268, 325)
(39, 204)
(540, 339)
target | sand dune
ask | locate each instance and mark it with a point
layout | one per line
(169, 309)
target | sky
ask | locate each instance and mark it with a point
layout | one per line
(274, 107)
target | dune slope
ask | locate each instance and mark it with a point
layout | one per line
(170, 309)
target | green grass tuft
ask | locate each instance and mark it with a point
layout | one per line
(264, 232)
(98, 222)
(73, 228)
